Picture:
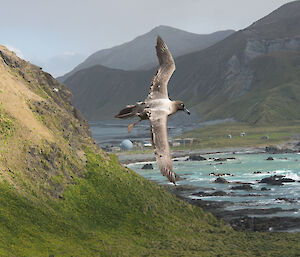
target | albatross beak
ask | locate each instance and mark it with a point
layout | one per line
(187, 111)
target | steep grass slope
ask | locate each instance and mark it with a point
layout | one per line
(62, 196)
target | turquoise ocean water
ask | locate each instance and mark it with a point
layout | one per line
(242, 169)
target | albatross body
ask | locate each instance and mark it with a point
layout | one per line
(157, 107)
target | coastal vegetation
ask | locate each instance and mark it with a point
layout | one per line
(217, 136)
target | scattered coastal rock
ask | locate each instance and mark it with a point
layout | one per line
(257, 172)
(216, 193)
(148, 166)
(242, 187)
(221, 180)
(276, 150)
(270, 158)
(196, 158)
(265, 189)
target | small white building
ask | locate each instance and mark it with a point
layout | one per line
(147, 144)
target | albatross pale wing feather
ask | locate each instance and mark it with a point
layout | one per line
(158, 120)
(159, 83)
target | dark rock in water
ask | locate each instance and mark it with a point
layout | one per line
(276, 180)
(220, 159)
(257, 172)
(265, 189)
(220, 174)
(255, 195)
(270, 158)
(221, 180)
(242, 183)
(216, 193)
(148, 166)
(273, 180)
(196, 158)
(286, 200)
(243, 187)
(230, 158)
(288, 180)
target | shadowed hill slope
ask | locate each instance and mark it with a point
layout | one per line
(60, 195)
(255, 67)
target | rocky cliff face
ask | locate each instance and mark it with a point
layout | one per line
(240, 74)
(47, 134)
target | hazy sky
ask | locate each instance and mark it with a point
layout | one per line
(41, 30)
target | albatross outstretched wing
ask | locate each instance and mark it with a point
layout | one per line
(158, 87)
(158, 120)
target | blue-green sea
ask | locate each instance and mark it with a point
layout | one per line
(249, 168)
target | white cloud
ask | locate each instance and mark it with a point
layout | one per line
(17, 51)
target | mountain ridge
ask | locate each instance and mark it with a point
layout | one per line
(212, 80)
(138, 54)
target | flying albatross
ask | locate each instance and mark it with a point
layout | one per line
(157, 107)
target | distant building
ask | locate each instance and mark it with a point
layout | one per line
(126, 145)
(147, 144)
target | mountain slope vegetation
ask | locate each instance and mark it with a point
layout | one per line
(60, 195)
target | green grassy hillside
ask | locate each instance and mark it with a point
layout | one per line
(112, 211)
(60, 195)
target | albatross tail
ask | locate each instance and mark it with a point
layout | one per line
(128, 112)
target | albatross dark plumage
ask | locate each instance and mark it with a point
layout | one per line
(157, 107)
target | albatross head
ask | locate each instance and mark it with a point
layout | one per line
(180, 107)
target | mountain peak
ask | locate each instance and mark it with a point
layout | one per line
(139, 54)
